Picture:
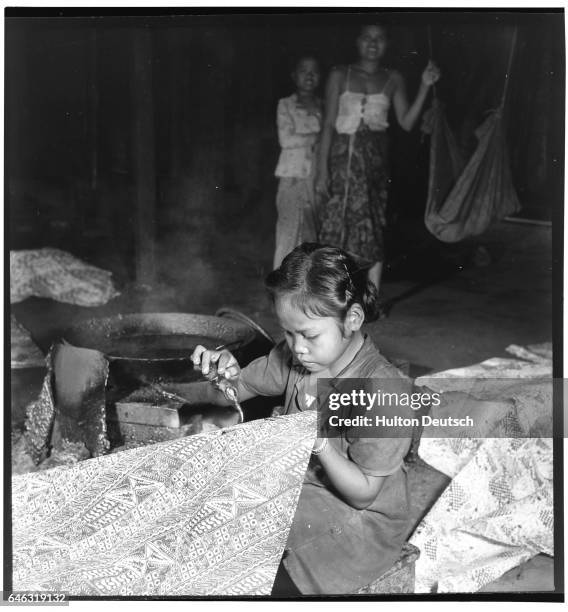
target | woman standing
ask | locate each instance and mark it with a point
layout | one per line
(352, 171)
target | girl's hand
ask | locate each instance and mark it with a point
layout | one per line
(213, 363)
(431, 74)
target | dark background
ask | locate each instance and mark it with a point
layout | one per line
(122, 129)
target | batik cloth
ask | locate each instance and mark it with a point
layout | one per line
(55, 274)
(497, 512)
(355, 214)
(204, 515)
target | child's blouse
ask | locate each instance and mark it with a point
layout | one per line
(298, 132)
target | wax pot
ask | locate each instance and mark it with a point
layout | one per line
(109, 376)
(158, 346)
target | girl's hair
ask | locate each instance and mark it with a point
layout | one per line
(374, 24)
(300, 57)
(323, 281)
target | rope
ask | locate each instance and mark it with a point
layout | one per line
(509, 65)
(430, 48)
(346, 195)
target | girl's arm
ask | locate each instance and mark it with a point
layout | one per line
(357, 489)
(288, 137)
(405, 114)
(332, 92)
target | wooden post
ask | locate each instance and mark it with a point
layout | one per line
(16, 106)
(93, 114)
(177, 79)
(143, 155)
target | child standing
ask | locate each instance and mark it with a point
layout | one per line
(299, 123)
(352, 515)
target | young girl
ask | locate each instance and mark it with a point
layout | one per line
(352, 514)
(352, 173)
(299, 124)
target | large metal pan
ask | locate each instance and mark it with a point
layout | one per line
(158, 346)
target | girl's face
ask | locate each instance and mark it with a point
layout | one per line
(316, 342)
(307, 75)
(372, 43)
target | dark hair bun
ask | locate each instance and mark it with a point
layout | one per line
(300, 57)
(324, 281)
(370, 301)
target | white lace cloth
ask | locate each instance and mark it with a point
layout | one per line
(497, 512)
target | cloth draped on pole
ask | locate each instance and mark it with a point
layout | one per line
(465, 197)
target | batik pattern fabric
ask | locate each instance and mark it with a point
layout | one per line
(56, 274)
(355, 215)
(497, 512)
(199, 516)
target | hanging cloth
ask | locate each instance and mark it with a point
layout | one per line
(465, 198)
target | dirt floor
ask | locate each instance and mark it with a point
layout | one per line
(456, 307)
